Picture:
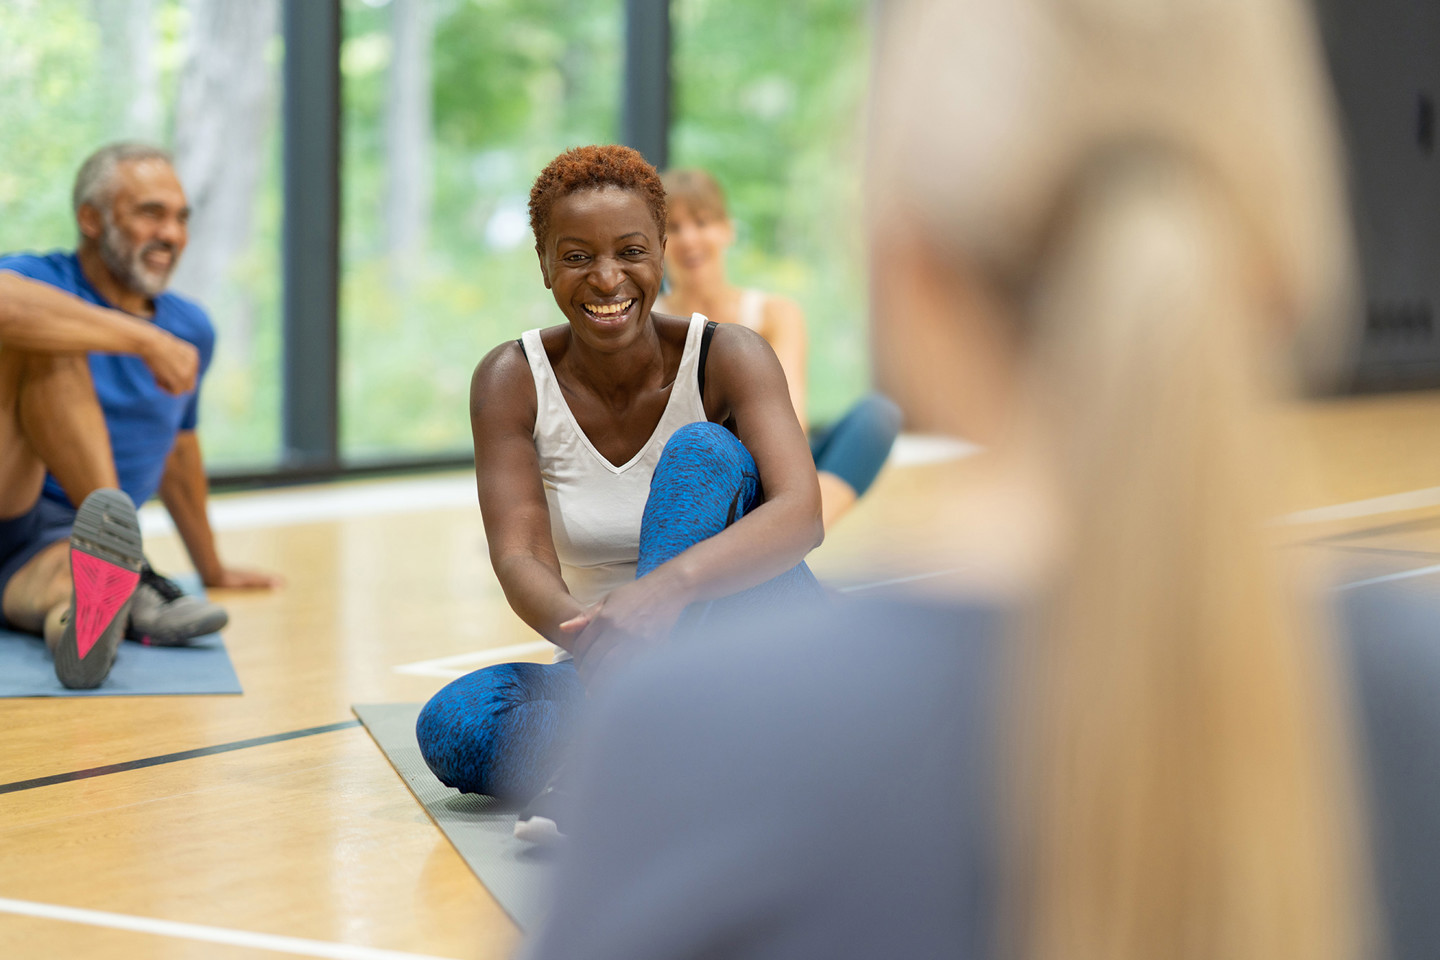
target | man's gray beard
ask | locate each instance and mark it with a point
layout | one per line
(125, 265)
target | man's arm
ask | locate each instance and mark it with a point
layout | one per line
(184, 490)
(39, 318)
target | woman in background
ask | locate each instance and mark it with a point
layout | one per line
(1096, 228)
(848, 454)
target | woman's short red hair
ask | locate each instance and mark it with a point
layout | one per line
(597, 166)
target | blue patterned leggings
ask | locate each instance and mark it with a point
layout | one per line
(502, 729)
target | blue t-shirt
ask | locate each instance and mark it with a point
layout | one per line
(142, 418)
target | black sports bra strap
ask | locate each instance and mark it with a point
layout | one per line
(704, 352)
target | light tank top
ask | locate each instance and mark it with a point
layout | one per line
(750, 312)
(595, 505)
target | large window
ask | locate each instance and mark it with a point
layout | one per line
(200, 77)
(450, 110)
(768, 97)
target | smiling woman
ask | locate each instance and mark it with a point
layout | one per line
(612, 499)
(602, 262)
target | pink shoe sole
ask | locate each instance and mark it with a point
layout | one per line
(105, 558)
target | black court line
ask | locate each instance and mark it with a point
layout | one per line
(172, 757)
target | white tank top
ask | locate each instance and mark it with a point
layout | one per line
(596, 506)
(750, 312)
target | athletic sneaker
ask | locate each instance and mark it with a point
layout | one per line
(105, 560)
(163, 614)
(539, 822)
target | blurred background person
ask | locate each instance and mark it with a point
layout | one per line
(849, 453)
(81, 421)
(1096, 229)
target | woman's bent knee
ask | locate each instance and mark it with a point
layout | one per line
(701, 460)
(501, 731)
(703, 440)
(705, 481)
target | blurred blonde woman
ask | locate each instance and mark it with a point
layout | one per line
(1098, 229)
(699, 233)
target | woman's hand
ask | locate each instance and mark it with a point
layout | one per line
(634, 618)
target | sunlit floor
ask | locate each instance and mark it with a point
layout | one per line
(312, 846)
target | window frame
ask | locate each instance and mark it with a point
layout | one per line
(312, 174)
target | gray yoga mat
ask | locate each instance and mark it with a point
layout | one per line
(516, 873)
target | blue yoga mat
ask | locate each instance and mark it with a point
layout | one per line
(204, 667)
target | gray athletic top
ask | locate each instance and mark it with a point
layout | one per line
(821, 787)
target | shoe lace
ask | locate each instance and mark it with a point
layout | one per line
(167, 588)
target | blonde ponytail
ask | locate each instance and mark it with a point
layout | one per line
(1183, 784)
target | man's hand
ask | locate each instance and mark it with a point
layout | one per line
(174, 362)
(235, 578)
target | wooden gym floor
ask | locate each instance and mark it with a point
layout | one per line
(312, 846)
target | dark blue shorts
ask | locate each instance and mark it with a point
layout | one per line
(26, 535)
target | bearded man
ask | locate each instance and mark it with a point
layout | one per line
(87, 424)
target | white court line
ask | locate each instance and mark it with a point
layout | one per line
(193, 931)
(457, 490)
(282, 508)
(1402, 575)
(457, 665)
(1394, 503)
(918, 449)
(898, 580)
(1386, 578)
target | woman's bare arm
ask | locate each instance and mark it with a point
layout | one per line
(744, 377)
(512, 496)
